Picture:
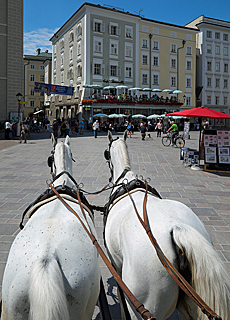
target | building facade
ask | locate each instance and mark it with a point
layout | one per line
(34, 71)
(213, 44)
(11, 56)
(102, 47)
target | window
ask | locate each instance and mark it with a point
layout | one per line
(209, 66)
(114, 49)
(79, 48)
(144, 78)
(225, 37)
(97, 26)
(55, 64)
(155, 45)
(209, 82)
(62, 59)
(217, 100)
(188, 50)
(113, 71)
(71, 54)
(97, 68)
(42, 67)
(32, 104)
(129, 32)
(41, 104)
(217, 49)
(145, 60)
(128, 51)
(114, 30)
(226, 67)
(217, 35)
(217, 83)
(32, 91)
(173, 81)
(189, 65)
(32, 77)
(173, 47)
(71, 36)
(209, 48)
(79, 70)
(188, 101)
(98, 46)
(209, 34)
(225, 51)
(128, 72)
(155, 79)
(144, 43)
(225, 101)
(217, 66)
(225, 83)
(62, 76)
(42, 77)
(173, 63)
(32, 66)
(79, 30)
(155, 61)
(209, 100)
(188, 83)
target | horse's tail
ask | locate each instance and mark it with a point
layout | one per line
(210, 278)
(46, 292)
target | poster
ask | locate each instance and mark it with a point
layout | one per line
(186, 130)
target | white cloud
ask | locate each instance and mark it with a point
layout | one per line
(38, 39)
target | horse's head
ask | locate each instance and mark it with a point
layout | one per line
(117, 156)
(61, 157)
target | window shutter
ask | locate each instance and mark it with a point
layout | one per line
(109, 29)
(118, 31)
(102, 27)
(102, 69)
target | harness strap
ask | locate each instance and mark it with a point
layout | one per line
(145, 314)
(182, 283)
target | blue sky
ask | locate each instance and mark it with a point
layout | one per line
(42, 18)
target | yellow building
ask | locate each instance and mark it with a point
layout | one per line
(167, 60)
(34, 71)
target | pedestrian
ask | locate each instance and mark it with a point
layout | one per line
(76, 125)
(81, 126)
(55, 126)
(67, 128)
(96, 127)
(130, 129)
(8, 128)
(63, 129)
(175, 131)
(143, 130)
(24, 130)
(159, 128)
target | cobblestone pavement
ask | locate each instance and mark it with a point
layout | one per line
(24, 171)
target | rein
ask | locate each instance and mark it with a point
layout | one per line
(145, 314)
(182, 283)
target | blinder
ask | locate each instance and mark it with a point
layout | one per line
(50, 160)
(107, 155)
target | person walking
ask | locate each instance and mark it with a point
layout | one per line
(55, 126)
(96, 127)
(23, 132)
(159, 127)
(81, 126)
(175, 131)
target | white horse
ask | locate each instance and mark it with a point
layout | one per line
(52, 271)
(181, 236)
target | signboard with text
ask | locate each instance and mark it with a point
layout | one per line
(53, 89)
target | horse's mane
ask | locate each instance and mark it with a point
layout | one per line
(124, 151)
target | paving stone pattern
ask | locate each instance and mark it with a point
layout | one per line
(24, 171)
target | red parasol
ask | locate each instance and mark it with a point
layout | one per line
(201, 112)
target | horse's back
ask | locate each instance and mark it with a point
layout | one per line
(53, 239)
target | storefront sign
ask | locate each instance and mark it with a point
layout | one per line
(53, 89)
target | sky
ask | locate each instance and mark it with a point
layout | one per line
(44, 17)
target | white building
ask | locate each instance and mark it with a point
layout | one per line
(213, 43)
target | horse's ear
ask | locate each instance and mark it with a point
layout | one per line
(125, 135)
(67, 140)
(110, 137)
(53, 140)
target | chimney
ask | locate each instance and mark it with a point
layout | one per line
(38, 51)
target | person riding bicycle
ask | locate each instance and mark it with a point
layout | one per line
(175, 131)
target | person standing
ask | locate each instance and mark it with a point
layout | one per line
(143, 130)
(175, 131)
(95, 128)
(23, 132)
(159, 128)
(81, 126)
(55, 126)
(8, 127)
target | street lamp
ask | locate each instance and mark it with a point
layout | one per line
(19, 98)
(184, 97)
(183, 43)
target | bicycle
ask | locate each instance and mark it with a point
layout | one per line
(167, 140)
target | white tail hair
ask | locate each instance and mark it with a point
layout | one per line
(46, 292)
(210, 278)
